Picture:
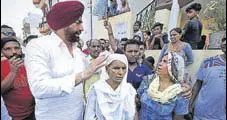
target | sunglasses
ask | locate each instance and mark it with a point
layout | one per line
(9, 33)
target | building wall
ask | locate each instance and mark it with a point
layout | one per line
(101, 32)
(135, 5)
(199, 56)
(162, 16)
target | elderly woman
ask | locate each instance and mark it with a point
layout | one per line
(160, 94)
(112, 98)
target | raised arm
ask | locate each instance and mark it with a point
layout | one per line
(113, 42)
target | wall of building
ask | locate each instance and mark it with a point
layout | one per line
(137, 5)
(126, 18)
(199, 56)
(162, 16)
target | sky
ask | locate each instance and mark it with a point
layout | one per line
(14, 11)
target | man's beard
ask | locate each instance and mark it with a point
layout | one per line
(132, 63)
(132, 60)
(72, 36)
(103, 48)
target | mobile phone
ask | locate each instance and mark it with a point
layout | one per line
(20, 56)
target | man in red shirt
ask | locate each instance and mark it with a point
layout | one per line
(14, 85)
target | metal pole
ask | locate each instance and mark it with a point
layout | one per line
(91, 19)
(173, 16)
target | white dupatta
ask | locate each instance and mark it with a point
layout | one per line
(116, 104)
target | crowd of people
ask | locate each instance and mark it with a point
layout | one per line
(109, 8)
(54, 78)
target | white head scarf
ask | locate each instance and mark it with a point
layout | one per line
(115, 104)
(175, 67)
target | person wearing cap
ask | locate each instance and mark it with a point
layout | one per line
(57, 68)
(14, 84)
(6, 31)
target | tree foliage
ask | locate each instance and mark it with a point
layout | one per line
(216, 12)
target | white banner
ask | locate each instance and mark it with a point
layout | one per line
(120, 30)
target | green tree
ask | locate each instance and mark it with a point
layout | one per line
(216, 12)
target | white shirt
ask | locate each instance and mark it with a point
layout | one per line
(51, 75)
(139, 33)
(121, 8)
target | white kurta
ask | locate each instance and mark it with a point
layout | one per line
(51, 75)
(104, 103)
